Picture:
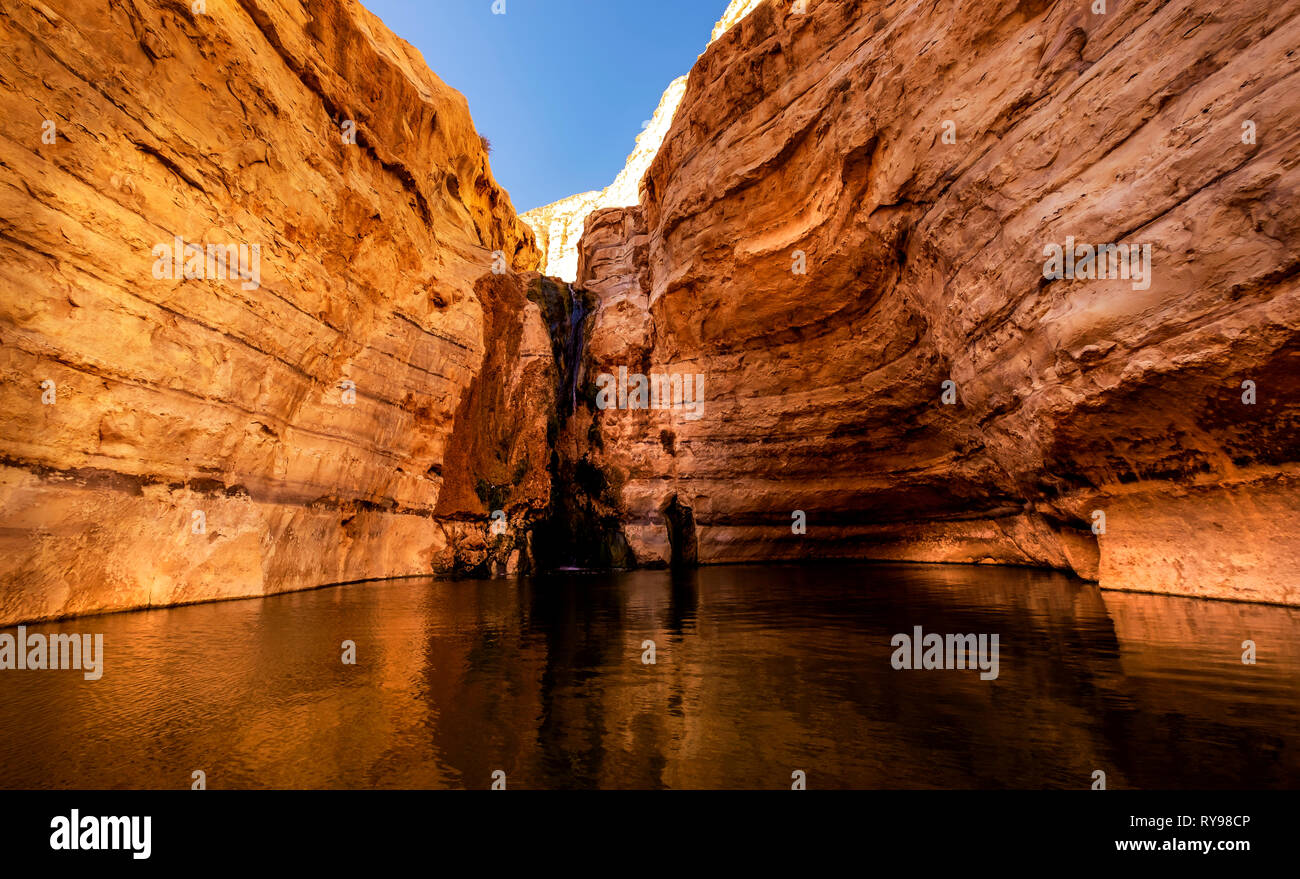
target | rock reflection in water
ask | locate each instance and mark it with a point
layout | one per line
(761, 670)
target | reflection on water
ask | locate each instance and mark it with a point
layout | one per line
(761, 670)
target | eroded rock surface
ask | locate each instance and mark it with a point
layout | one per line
(811, 242)
(171, 439)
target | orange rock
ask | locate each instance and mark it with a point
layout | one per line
(207, 438)
(845, 230)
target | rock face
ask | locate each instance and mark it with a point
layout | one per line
(353, 405)
(847, 232)
(559, 225)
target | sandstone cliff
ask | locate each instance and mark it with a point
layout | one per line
(845, 232)
(354, 405)
(559, 225)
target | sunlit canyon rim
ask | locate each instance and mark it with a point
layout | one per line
(846, 231)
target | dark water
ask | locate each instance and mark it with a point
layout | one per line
(760, 671)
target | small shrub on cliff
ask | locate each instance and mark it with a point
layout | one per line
(493, 496)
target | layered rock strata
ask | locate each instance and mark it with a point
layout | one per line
(339, 386)
(848, 231)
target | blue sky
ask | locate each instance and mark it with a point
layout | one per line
(560, 87)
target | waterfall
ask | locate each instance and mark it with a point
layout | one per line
(573, 351)
(581, 527)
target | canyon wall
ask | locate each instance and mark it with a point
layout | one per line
(559, 225)
(846, 233)
(353, 405)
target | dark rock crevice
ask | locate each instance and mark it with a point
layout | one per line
(583, 525)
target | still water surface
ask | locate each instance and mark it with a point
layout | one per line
(760, 671)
